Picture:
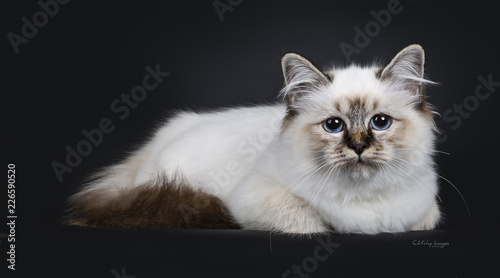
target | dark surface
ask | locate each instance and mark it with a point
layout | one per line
(83, 59)
(95, 252)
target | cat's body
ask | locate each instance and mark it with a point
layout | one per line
(350, 150)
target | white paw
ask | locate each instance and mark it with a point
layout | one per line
(294, 215)
(430, 221)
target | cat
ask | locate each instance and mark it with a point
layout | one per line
(348, 150)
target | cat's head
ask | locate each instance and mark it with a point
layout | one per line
(356, 119)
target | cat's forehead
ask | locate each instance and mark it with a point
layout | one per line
(357, 90)
(354, 81)
(360, 88)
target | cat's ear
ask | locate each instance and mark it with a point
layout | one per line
(406, 70)
(301, 78)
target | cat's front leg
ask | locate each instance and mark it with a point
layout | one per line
(275, 208)
(430, 221)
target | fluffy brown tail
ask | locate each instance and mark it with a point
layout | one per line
(160, 203)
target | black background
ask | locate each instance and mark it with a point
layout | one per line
(90, 53)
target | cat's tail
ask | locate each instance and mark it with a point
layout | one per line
(161, 202)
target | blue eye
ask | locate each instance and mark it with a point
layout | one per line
(381, 122)
(333, 125)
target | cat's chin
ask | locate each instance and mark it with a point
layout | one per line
(360, 169)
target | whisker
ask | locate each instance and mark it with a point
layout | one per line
(414, 175)
(449, 182)
(459, 193)
(318, 186)
(298, 166)
(290, 190)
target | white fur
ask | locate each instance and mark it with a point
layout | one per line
(268, 178)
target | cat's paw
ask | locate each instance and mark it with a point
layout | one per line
(277, 209)
(311, 226)
(298, 217)
(430, 221)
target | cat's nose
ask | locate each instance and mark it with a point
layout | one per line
(358, 146)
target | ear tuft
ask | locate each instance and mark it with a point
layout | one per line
(301, 78)
(407, 70)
